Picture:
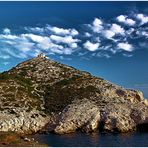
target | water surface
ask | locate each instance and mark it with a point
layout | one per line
(78, 139)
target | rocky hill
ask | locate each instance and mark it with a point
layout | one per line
(41, 94)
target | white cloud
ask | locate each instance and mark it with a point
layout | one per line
(35, 38)
(35, 29)
(117, 29)
(97, 25)
(91, 46)
(144, 33)
(143, 18)
(97, 29)
(6, 31)
(65, 39)
(74, 32)
(52, 29)
(55, 40)
(61, 31)
(13, 41)
(24, 46)
(73, 45)
(125, 20)
(97, 22)
(87, 34)
(67, 51)
(121, 18)
(130, 22)
(114, 29)
(131, 30)
(42, 42)
(45, 43)
(9, 37)
(108, 34)
(125, 46)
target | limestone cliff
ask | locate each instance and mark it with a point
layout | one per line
(44, 94)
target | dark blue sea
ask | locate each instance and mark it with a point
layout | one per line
(136, 139)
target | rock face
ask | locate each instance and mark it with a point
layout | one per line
(22, 121)
(114, 116)
(42, 93)
(80, 114)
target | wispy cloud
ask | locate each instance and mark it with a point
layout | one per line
(100, 38)
(6, 31)
(127, 55)
(61, 31)
(65, 39)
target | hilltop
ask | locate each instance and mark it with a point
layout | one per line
(43, 95)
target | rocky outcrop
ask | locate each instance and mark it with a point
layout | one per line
(41, 94)
(88, 117)
(80, 114)
(22, 122)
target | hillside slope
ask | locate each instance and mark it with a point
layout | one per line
(41, 92)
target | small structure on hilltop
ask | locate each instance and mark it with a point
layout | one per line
(42, 55)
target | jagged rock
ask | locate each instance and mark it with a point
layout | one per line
(81, 113)
(42, 93)
(22, 124)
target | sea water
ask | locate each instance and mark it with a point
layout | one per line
(79, 139)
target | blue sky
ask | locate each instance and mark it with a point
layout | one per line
(108, 39)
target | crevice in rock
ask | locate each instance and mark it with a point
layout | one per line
(101, 126)
(142, 127)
